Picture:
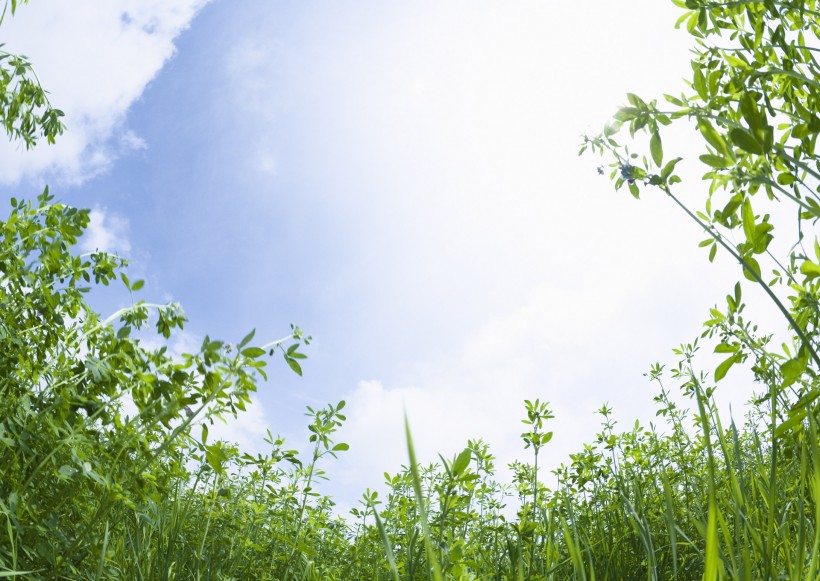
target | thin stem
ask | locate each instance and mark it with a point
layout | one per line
(719, 239)
(278, 342)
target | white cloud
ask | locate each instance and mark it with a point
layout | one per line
(95, 59)
(563, 345)
(247, 432)
(130, 141)
(107, 232)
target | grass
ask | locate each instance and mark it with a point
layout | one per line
(141, 498)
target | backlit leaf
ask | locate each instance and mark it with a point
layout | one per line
(715, 161)
(462, 461)
(294, 365)
(724, 367)
(810, 269)
(746, 141)
(748, 218)
(656, 148)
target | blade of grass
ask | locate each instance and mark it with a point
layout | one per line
(574, 553)
(101, 566)
(710, 569)
(425, 529)
(815, 484)
(712, 560)
(388, 549)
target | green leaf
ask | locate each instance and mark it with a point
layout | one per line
(714, 138)
(792, 369)
(294, 365)
(669, 168)
(204, 433)
(725, 348)
(246, 340)
(797, 413)
(216, 457)
(253, 352)
(800, 131)
(766, 136)
(748, 108)
(715, 161)
(67, 471)
(746, 141)
(635, 100)
(699, 81)
(748, 217)
(340, 447)
(462, 462)
(751, 268)
(627, 113)
(656, 148)
(762, 237)
(724, 367)
(810, 269)
(792, 422)
(674, 100)
(138, 284)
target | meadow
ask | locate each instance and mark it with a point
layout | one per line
(107, 470)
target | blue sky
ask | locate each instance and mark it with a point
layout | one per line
(399, 179)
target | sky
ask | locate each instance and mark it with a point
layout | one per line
(401, 180)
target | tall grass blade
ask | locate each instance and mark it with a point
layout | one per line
(103, 552)
(710, 570)
(388, 549)
(574, 553)
(425, 529)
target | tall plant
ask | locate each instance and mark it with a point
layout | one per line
(71, 455)
(755, 101)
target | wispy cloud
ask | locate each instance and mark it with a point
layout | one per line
(563, 345)
(107, 232)
(248, 432)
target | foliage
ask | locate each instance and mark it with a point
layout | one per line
(104, 476)
(73, 457)
(25, 110)
(756, 106)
